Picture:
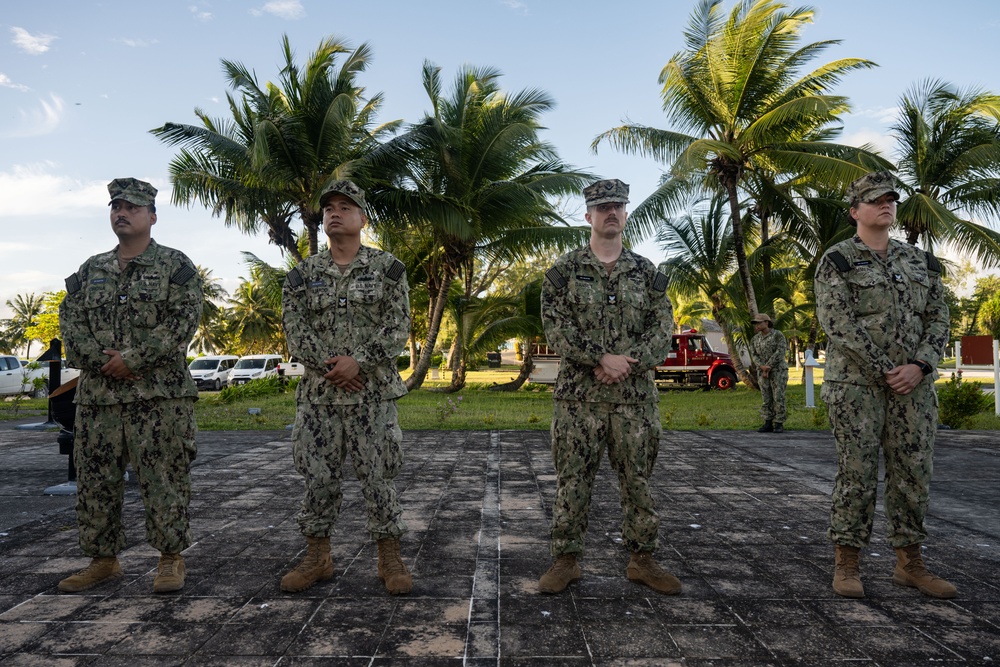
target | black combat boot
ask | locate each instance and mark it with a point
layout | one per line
(779, 427)
(768, 427)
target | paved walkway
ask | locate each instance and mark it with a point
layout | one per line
(743, 522)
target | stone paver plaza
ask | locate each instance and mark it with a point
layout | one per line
(743, 515)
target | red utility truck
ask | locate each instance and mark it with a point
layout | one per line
(692, 362)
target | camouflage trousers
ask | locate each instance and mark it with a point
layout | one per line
(158, 438)
(865, 418)
(772, 394)
(321, 439)
(580, 433)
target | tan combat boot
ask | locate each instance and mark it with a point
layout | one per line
(100, 569)
(315, 566)
(910, 571)
(563, 571)
(391, 568)
(169, 574)
(643, 569)
(847, 572)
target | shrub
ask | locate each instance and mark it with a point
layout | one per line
(959, 402)
(268, 386)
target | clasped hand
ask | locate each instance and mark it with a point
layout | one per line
(613, 368)
(345, 373)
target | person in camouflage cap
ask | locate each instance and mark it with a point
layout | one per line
(127, 320)
(605, 310)
(768, 349)
(346, 314)
(881, 303)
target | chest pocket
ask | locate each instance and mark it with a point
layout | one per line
(633, 303)
(870, 291)
(917, 289)
(321, 298)
(147, 303)
(365, 290)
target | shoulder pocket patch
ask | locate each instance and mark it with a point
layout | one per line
(294, 278)
(660, 282)
(183, 275)
(932, 262)
(555, 278)
(839, 261)
(73, 284)
(396, 271)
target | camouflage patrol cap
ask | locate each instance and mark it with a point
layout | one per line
(871, 186)
(346, 188)
(132, 190)
(602, 192)
(762, 317)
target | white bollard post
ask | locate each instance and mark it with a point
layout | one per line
(996, 377)
(809, 365)
(958, 357)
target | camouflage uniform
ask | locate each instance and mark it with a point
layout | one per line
(587, 313)
(149, 311)
(878, 314)
(362, 312)
(770, 350)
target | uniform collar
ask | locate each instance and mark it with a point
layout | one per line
(109, 260)
(363, 258)
(627, 257)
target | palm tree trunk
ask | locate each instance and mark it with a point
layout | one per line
(433, 328)
(739, 240)
(522, 376)
(413, 351)
(742, 372)
(458, 376)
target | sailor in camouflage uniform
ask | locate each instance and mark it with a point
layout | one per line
(606, 312)
(768, 349)
(127, 320)
(881, 303)
(346, 315)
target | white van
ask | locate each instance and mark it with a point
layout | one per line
(212, 372)
(254, 367)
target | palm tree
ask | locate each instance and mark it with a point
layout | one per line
(25, 308)
(701, 263)
(285, 142)
(747, 115)
(210, 334)
(949, 165)
(255, 322)
(469, 186)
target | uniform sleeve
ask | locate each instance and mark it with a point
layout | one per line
(300, 336)
(779, 350)
(176, 326)
(936, 320)
(658, 329)
(390, 339)
(836, 315)
(562, 331)
(82, 348)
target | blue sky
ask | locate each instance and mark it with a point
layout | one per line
(82, 83)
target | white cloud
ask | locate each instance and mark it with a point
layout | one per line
(32, 44)
(24, 186)
(881, 140)
(200, 14)
(885, 115)
(286, 9)
(516, 5)
(135, 43)
(5, 82)
(41, 120)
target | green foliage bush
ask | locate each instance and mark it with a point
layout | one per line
(959, 402)
(268, 386)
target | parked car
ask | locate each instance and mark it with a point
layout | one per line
(212, 371)
(291, 369)
(254, 367)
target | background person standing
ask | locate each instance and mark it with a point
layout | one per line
(606, 312)
(127, 320)
(769, 349)
(881, 303)
(347, 317)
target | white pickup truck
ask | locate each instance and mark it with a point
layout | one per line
(290, 369)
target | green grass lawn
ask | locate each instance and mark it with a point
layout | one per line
(480, 409)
